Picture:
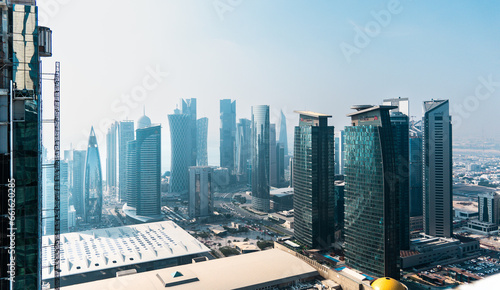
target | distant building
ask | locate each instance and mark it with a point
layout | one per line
(372, 208)
(260, 158)
(112, 158)
(78, 179)
(221, 178)
(243, 145)
(489, 207)
(189, 108)
(125, 134)
(273, 171)
(339, 210)
(92, 207)
(180, 138)
(280, 165)
(201, 147)
(313, 182)
(437, 162)
(200, 191)
(227, 133)
(416, 169)
(283, 139)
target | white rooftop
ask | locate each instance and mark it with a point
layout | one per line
(101, 249)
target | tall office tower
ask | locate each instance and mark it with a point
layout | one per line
(400, 133)
(78, 174)
(339, 210)
(201, 146)
(180, 138)
(337, 155)
(489, 207)
(189, 108)
(125, 134)
(260, 158)
(371, 196)
(243, 145)
(314, 180)
(64, 196)
(112, 158)
(200, 191)
(416, 169)
(144, 169)
(283, 139)
(342, 152)
(227, 133)
(437, 162)
(280, 164)
(402, 104)
(273, 171)
(92, 204)
(339, 152)
(23, 43)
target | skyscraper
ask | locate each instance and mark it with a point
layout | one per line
(144, 171)
(20, 142)
(283, 139)
(92, 205)
(243, 145)
(112, 158)
(201, 146)
(227, 133)
(77, 186)
(180, 138)
(313, 180)
(280, 165)
(200, 191)
(372, 223)
(489, 207)
(437, 162)
(416, 169)
(273, 171)
(260, 158)
(189, 109)
(125, 134)
(400, 133)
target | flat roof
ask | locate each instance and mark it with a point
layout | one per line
(313, 114)
(101, 249)
(364, 109)
(253, 270)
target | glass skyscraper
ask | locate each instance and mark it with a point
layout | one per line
(78, 174)
(273, 170)
(180, 138)
(260, 158)
(112, 158)
(92, 206)
(283, 139)
(243, 145)
(201, 146)
(227, 133)
(189, 109)
(416, 169)
(372, 207)
(314, 180)
(437, 162)
(125, 134)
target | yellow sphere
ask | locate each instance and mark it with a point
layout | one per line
(387, 284)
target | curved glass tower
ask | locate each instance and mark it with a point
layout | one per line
(92, 205)
(180, 136)
(260, 158)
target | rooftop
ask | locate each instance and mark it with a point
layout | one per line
(363, 109)
(267, 268)
(313, 114)
(101, 249)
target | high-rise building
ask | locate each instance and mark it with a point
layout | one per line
(273, 170)
(180, 138)
(339, 152)
(260, 158)
(201, 147)
(64, 197)
(227, 133)
(77, 186)
(339, 210)
(144, 169)
(337, 155)
(371, 195)
(125, 134)
(112, 158)
(314, 180)
(23, 43)
(280, 164)
(416, 169)
(243, 145)
(402, 104)
(189, 109)
(400, 133)
(283, 139)
(489, 207)
(200, 191)
(437, 162)
(92, 205)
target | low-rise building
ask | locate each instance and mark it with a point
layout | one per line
(486, 228)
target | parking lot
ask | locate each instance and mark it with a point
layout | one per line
(482, 266)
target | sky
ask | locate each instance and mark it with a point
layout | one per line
(119, 58)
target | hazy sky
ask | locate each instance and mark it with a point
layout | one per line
(119, 56)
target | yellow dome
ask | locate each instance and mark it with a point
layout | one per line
(387, 284)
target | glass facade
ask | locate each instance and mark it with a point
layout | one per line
(189, 109)
(260, 158)
(92, 206)
(372, 223)
(416, 169)
(243, 143)
(148, 170)
(227, 133)
(180, 136)
(283, 139)
(112, 158)
(313, 182)
(201, 148)
(125, 135)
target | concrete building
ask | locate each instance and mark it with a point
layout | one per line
(313, 180)
(282, 199)
(200, 191)
(437, 162)
(100, 254)
(260, 158)
(489, 207)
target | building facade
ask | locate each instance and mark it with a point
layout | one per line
(189, 109)
(92, 206)
(78, 180)
(260, 158)
(227, 133)
(437, 162)
(416, 169)
(200, 191)
(243, 145)
(125, 134)
(489, 207)
(313, 182)
(112, 158)
(180, 138)
(371, 195)
(273, 170)
(283, 138)
(201, 147)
